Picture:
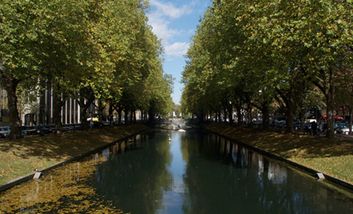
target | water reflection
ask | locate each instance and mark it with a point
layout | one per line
(254, 184)
(136, 181)
(173, 172)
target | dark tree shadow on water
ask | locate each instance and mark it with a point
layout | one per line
(136, 181)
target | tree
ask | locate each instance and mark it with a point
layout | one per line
(261, 50)
(91, 50)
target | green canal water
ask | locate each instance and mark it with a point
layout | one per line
(175, 172)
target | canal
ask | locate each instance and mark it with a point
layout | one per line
(175, 172)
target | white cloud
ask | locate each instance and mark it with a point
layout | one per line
(161, 28)
(177, 49)
(170, 10)
(162, 15)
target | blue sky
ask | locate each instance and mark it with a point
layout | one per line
(175, 22)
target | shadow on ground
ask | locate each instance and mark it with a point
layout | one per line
(58, 146)
(289, 145)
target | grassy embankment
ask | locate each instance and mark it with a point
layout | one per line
(332, 157)
(23, 156)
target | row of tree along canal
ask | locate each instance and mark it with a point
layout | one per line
(285, 56)
(87, 50)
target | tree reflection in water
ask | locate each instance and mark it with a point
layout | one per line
(237, 180)
(172, 172)
(135, 181)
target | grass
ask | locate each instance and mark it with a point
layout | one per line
(23, 156)
(333, 157)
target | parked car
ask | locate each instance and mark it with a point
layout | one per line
(339, 126)
(77, 126)
(280, 122)
(343, 130)
(95, 124)
(5, 131)
(310, 120)
(93, 119)
(44, 129)
(106, 123)
(67, 128)
(29, 130)
(297, 125)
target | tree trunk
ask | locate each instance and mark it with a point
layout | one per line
(330, 120)
(230, 113)
(88, 93)
(111, 110)
(240, 118)
(145, 116)
(131, 116)
(119, 116)
(126, 116)
(265, 116)
(330, 105)
(10, 84)
(202, 117)
(249, 116)
(350, 119)
(48, 107)
(42, 110)
(100, 110)
(289, 115)
(84, 116)
(224, 115)
(57, 104)
(151, 115)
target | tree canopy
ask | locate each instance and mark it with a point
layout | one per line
(87, 49)
(268, 55)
